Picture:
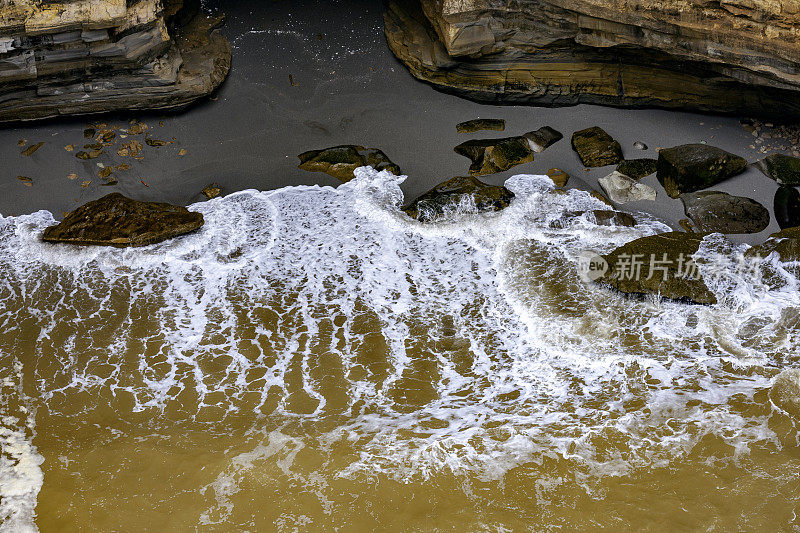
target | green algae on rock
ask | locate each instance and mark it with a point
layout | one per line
(341, 161)
(115, 220)
(692, 167)
(448, 195)
(784, 169)
(637, 168)
(596, 148)
(660, 265)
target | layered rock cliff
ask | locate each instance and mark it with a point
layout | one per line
(73, 57)
(710, 55)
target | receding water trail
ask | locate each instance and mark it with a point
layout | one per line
(313, 358)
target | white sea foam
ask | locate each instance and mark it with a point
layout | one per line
(468, 346)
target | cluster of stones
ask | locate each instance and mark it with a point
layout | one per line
(73, 57)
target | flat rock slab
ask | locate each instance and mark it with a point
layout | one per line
(341, 161)
(784, 169)
(637, 168)
(115, 220)
(622, 189)
(446, 196)
(490, 156)
(596, 148)
(480, 124)
(692, 167)
(787, 207)
(661, 265)
(714, 211)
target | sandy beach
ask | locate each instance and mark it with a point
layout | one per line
(306, 78)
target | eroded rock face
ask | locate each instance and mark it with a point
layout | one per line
(90, 56)
(692, 167)
(446, 196)
(341, 161)
(711, 56)
(715, 211)
(660, 265)
(115, 220)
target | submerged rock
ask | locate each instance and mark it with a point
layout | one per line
(637, 168)
(559, 177)
(622, 189)
(786, 243)
(685, 54)
(691, 167)
(453, 192)
(596, 148)
(607, 217)
(640, 145)
(490, 156)
(787, 207)
(542, 138)
(341, 161)
(715, 211)
(115, 220)
(785, 392)
(479, 124)
(661, 265)
(601, 217)
(784, 169)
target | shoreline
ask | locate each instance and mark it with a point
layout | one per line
(297, 86)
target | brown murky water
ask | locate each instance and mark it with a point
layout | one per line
(312, 360)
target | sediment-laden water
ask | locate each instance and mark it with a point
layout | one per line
(314, 359)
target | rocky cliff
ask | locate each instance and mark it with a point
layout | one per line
(74, 57)
(710, 55)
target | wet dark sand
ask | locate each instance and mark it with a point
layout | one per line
(349, 89)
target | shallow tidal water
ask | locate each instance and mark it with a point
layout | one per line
(312, 359)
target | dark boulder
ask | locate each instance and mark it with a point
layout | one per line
(341, 161)
(479, 124)
(784, 169)
(436, 202)
(692, 167)
(787, 207)
(115, 220)
(661, 265)
(596, 148)
(490, 156)
(714, 211)
(637, 168)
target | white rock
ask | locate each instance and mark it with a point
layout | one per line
(622, 189)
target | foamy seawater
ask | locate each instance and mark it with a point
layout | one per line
(314, 359)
